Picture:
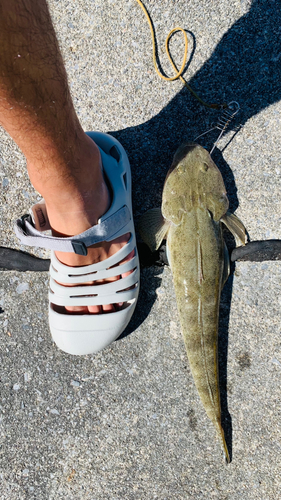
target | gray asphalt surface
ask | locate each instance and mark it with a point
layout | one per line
(127, 423)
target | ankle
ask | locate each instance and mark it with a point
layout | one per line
(75, 212)
(75, 192)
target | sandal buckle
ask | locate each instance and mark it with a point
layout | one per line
(23, 219)
(79, 247)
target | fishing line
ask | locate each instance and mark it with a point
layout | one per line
(180, 72)
(229, 110)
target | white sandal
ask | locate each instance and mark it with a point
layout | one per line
(89, 333)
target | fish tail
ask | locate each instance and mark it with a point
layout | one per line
(224, 445)
(226, 452)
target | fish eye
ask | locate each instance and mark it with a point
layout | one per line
(224, 199)
(204, 167)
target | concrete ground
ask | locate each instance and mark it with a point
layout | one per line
(127, 423)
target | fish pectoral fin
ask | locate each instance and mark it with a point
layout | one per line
(226, 268)
(153, 228)
(236, 227)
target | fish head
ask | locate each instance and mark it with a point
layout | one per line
(193, 181)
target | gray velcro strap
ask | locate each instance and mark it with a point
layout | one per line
(104, 231)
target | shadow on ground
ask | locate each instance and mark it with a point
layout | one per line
(244, 67)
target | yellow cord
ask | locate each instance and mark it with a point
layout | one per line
(178, 72)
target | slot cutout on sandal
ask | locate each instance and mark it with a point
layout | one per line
(125, 180)
(129, 288)
(81, 275)
(115, 153)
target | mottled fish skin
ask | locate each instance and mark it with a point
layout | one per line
(194, 204)
(194, 199)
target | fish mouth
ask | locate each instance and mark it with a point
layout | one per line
(180, 153)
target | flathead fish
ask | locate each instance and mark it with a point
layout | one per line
(194, 204)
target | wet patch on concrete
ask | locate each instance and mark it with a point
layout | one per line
(244, 360)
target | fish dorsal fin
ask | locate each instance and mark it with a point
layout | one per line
(236, 227)
(153, 228)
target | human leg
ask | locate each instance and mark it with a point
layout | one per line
(37, 111)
